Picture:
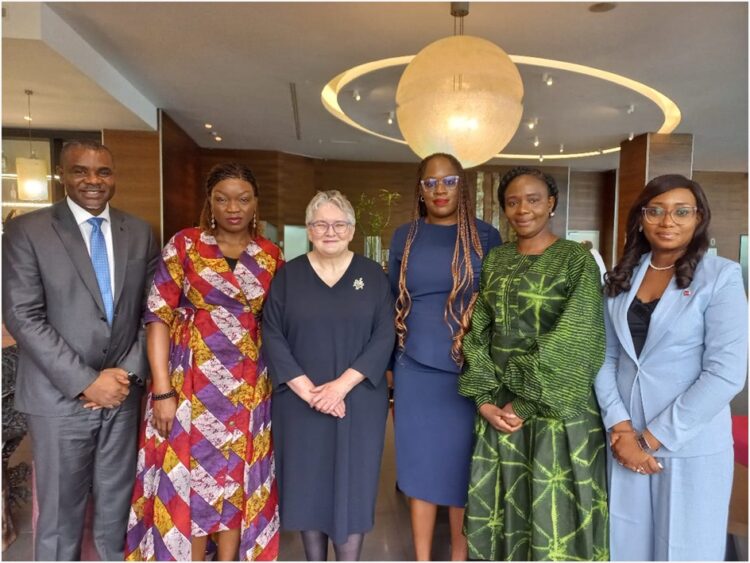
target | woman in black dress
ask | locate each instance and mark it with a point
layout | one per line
(328, 334)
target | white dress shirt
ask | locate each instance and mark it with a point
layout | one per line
(82, 216)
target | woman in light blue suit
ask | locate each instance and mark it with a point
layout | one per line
(676, 355)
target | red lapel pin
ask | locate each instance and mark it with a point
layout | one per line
(687, 293)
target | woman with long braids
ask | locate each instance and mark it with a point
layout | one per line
(676, 356)
(434, 265)
(538, 485)
(205, 464)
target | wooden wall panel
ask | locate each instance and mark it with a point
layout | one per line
(592, 199)
(136, 155)
(180, 160)
(632, 178)
(669, 154)
(296, 187)
(727, 196)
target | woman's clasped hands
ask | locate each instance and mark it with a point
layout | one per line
(629, 453)
(502, 419)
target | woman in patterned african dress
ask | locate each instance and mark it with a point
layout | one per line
(205, 464)
(537, 486)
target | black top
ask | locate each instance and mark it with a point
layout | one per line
(232, 262)
(639, 318)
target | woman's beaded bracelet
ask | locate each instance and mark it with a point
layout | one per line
(163, 396)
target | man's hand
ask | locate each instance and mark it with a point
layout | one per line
(108, 390)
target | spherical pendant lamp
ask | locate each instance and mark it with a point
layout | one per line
(460, 95)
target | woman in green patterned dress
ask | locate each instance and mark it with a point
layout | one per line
(538, 487)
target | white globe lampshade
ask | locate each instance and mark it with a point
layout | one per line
(460, 95)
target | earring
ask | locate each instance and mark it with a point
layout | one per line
(421, 198)
(255, 222)
(640, 228)
(213, 222)
(551, 213)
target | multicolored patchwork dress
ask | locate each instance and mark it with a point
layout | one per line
(537, 339)
(215, 471)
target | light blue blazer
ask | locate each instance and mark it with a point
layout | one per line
(693, 362)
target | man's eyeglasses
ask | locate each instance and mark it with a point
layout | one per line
(680, 215)
(430, 184)
(321, 227)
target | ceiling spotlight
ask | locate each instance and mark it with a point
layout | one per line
(601, 151)
(547, 79)
(536, 141)
(562, 147)
(630, 136)
(631, 109)
(533, 123)
(391, 115)
(217, 139)
(541, 158)
(601, 7)
(207, 125)
(356, 96)
(27, 118)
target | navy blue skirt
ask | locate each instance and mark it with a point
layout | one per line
(434, 428)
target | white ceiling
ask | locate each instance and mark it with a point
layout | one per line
(231, 64)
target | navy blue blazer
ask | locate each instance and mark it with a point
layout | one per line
(694, 360)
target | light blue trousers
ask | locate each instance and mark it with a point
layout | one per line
(678, 514)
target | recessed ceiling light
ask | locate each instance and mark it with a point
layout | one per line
(541, 158)
(547, 79)
(217, 139)
(630, 137)
(631, 109)
(207, 125)
(562, 147)
(601, 7)
(391, 115)
(536, 141)
(356, 96)
(27, 118)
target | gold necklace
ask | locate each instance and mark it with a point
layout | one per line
(650, 263)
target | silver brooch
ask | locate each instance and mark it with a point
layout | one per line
(359, 284)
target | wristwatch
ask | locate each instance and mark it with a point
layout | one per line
(643, 443)
(134, 378)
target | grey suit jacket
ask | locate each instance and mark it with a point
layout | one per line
(53, 308)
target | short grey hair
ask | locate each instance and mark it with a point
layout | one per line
(334, 197)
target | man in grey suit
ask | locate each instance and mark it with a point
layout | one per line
(75, 278)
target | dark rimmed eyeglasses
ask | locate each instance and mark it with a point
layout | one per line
(450, 182)
(321, 227)
(680, 215)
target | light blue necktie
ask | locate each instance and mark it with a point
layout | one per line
(101, 265)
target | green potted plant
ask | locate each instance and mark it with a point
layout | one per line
(373, 213)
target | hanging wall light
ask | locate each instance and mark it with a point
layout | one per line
(460, 95)
(31, 173)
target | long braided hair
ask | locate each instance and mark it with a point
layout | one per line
(457, 310)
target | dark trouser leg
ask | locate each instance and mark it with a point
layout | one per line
(63, 449)
(351, 549)
(114, 476)
(315, 544)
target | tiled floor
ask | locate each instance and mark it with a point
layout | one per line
(390, 540)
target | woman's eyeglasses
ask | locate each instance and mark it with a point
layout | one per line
(680, 215)
(321, 227)
(430, 184)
